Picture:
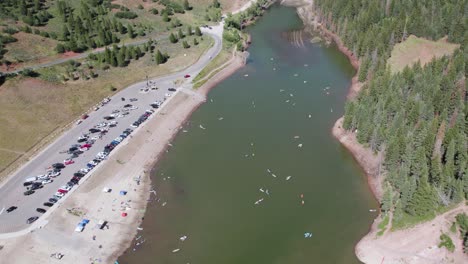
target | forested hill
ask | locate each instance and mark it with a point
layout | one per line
(418, 116)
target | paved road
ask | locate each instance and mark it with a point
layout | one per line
(11, 193)
(84, 55)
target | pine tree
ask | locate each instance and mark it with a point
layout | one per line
(60, 48)
(166, 17)
(187, 5)
(131, 33)
(189, 31)
(195, 42)
(173, 38)
(198, 31)
(181, 34)
(185, 45)
(160, 58)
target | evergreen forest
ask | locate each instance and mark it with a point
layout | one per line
(417, 117)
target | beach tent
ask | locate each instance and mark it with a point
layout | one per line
(106, 190)
(123, 192)
(124, 214)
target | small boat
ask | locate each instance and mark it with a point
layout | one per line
(221, 118)
(372, 210)
(267, 192)
(288, 178)
(140, 228)
(273, 175)
(202, 127)
(307, 235)
(261, 189)
(176, 250)
(268, 170)
(183, 238)
(259, 201)
(300, 145)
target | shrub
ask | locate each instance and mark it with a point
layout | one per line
(126, 14)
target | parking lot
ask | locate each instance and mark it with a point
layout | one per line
(123, 113)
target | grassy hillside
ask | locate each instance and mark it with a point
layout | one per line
(415, 49)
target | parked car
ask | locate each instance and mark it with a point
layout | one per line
(66, 188)
(11, 209)
(133, 99)
(187, 76)
(28, 192)
(40, 210)
(94, 130)
(46, 181)
(53, 173)
(80, 139)
(27, 183)
(30, 179)
(128, 105)
(59, 194)
(108, 117)
(48, 204)
(35, 186)
(53, 200)
(78, 174)
(84, 116)
(68, 161)
(58, 165)
(31, 219)
(42, 177)
(172, 89)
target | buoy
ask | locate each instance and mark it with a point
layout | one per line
(302, 202)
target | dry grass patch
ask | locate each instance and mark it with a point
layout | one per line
(415, 49)
(30, 48)
(6, 157)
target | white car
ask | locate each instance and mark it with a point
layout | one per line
(42, 177)
(167, 95)
(59, 194)
(133, 107)
(53, 173)
(84, 170)
(79, 122)
(44, 182)
(66, 187)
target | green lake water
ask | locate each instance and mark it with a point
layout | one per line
(210, 180)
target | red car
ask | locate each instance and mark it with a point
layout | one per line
(187, 76)
(84, 116)
(62, 191)
(86, 146)
(68, 161)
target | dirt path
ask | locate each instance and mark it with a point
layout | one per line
(416, 245)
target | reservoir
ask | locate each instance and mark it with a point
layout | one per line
(263, 136)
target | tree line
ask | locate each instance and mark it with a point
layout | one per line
(418, 117)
